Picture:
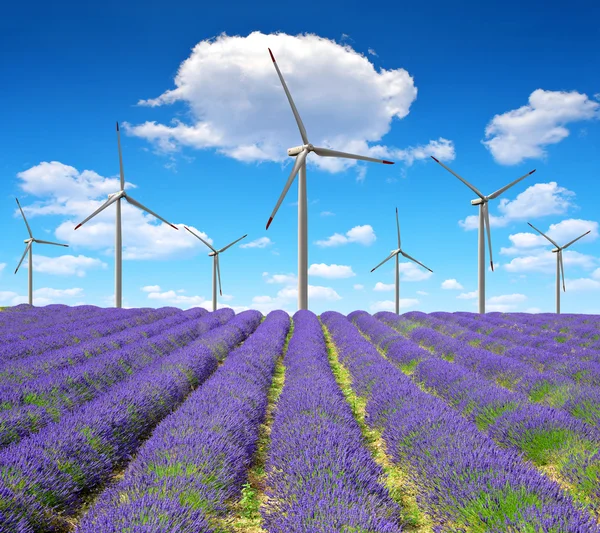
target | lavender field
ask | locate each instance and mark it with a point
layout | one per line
(163, 420)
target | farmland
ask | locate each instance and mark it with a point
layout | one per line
(163, 420)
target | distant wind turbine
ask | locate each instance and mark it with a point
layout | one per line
(301, 152)
(395, 253)
(216, 270)
(484, 219)
(29, 248)
(116, 198)
(560, 270)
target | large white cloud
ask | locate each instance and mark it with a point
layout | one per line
(42, 296)
(389, 305)
(239, 108)
(545, 261)
(562, 233)
(524, 133)
(65, 265)
(359, 234)
(384, 287)
(321, 270)
(468, 295)
(539, 200)
(261, 242)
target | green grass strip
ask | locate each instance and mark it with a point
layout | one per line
(397, 481)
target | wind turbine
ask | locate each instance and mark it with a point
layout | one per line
(395, 253)
(216, 270)
(29, 248)
(301, 152)
(116, 198)
(560, 270)
(484, 218)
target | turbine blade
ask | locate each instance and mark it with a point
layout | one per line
(386, 259)
(291, 101)
(500, 191)
(121, 173)
(54, 243)
(398, 228)
(143, 208)
(475, 190)
(486, 216)
(543, 235)
(198, 237)
(575, 240)
(562, 269)
(300, 159)
(231, 244)
(111, 200)
(413, 259)
(23, 215)
(326, 152)
(219, 274)
(23, 256)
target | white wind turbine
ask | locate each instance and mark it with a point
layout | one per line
(29, 248)
(301, 152)
(484, 218)
(560, 270)
(116, 198)
(216, 270)
(395, 253)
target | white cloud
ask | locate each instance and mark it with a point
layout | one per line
(372, 52)
(533, 310)
(412, 272)
(452, 284)
(327, 214)
(239, 108)
(65, 265)
(151, 288)
(359, 234)
(177, 299)
(422, 293)
(65, 191)
(507, 299)
(545, 261)
(389, 305)
(289, 294)
(596, 274)
(263, 242)
(41, 297)
(562, 233)
(442, 149)
(582, 284)
(382, 287)
(468, 295)
(2, 266)
(524, 133)
(321, 270)
(358, 287)
(539, 200)
(287, 279)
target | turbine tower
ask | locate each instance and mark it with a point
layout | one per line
(300, 153)
(484, 219)
(116, 198)
(396, 253)
(216, 270)
(29, 248)
(560, 270)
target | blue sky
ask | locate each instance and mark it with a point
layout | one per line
(492, 89)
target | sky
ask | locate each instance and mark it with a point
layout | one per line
(491, 89)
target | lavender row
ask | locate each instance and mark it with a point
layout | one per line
(26, 368)
(110, 323)
(29, 407)
(45, 478)
(546, 436)
(197, 458)
(550, 388)
(466, 481)
(319, 475)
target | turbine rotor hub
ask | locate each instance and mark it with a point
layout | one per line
(293, 152)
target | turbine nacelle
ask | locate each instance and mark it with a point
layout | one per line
(211, 254)
(555, 250)
(478, 201)
(27, 241)
(293, 152)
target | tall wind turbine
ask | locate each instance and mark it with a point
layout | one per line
(395, 253)
(301, 152)
(116, 198)
(560, 270)
(216, 270)
(29, 248)
(484, 218)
